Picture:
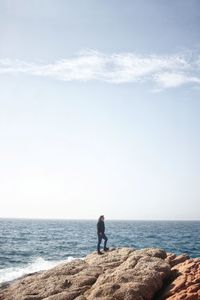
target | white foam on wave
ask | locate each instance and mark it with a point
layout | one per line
(39, 264)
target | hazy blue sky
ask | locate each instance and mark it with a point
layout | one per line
(100, 109)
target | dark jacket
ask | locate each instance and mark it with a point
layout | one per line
(100, 227)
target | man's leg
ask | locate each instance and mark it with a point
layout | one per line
(105, 242)
(99, 243)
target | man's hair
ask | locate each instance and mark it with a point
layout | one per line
(102, 216)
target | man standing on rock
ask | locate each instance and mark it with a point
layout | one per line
(101, 234)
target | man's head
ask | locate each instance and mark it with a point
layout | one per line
(101, 218)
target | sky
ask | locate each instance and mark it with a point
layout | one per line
(100, 109)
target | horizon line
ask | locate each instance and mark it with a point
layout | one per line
(92, 219)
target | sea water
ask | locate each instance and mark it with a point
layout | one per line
(28, 246)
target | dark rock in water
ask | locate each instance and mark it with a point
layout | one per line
(120, 274)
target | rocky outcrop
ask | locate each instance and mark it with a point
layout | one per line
(121, 274)
(185, 278)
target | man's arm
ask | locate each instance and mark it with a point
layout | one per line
(99, 228)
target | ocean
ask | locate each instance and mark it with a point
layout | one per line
(28, 246)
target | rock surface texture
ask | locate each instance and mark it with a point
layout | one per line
(121, 274)
(185, 278)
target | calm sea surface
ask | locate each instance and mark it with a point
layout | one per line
(32, 245)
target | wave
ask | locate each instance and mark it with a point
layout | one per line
(39, 264)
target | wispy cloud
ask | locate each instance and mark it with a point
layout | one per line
(167, 71)
(170, 80)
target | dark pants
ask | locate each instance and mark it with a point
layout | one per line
(100, 237)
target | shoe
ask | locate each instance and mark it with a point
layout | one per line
(100, 253)
(106, 249)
